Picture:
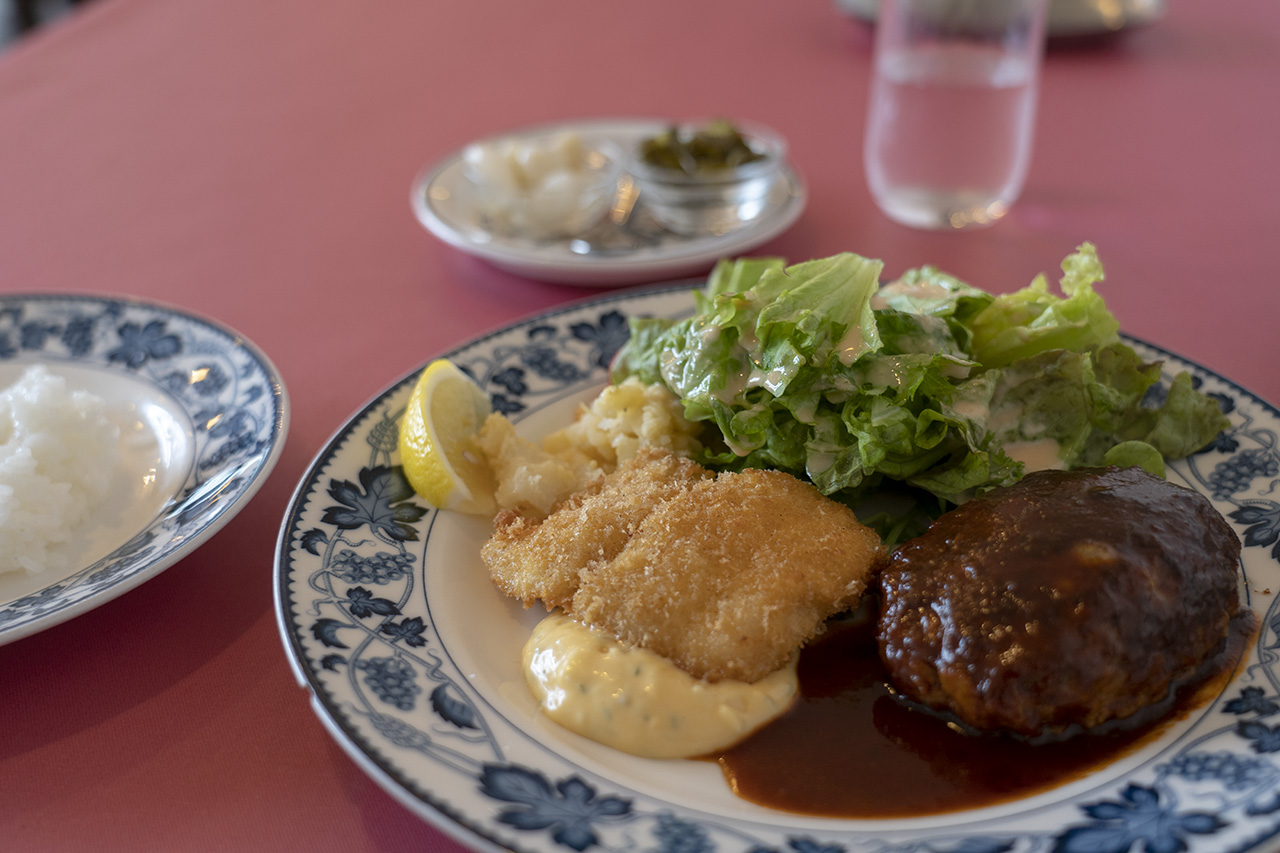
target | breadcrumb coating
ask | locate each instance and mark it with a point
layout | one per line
(727, 576)
(731, 576)
(535, 560)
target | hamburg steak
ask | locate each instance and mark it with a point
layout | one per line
(1068, 599)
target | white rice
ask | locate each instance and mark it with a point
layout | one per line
(58, 454)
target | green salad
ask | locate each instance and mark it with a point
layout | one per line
(926, 386)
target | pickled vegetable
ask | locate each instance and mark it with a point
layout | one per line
(716, 146)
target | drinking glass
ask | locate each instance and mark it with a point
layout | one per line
(952, 108)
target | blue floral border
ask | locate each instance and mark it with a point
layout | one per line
(233, 396)
(360, 557)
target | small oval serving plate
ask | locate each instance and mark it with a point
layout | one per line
(641, 250)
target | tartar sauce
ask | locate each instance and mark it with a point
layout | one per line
(636, 701)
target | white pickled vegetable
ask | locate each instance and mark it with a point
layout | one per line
(547, 186)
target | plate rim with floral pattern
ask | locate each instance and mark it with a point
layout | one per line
(392, 628)
(232, 395)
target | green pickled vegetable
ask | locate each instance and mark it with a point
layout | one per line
(717, 146)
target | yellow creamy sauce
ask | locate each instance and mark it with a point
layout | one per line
(636, 701)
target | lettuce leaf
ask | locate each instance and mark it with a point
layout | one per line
(1185, 422)
(927, 383)
(800, 373)
(1033, 320)
(929, 292)
(743, 346)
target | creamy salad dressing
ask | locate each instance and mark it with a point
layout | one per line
(773, 381)
(808, 411)
(920, 291)
(819, 461)
(1007, 418)
(1038, 454)
(974, 410)
(852, 345)
(884, 373)
(954, 367)
(636, 701)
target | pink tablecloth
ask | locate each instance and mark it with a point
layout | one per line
(250, 161)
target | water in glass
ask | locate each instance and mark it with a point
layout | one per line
(949, 128)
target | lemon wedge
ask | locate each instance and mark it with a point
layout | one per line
(437, 442)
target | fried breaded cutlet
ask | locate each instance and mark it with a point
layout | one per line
(532, 560)
(731, 576)
(725, 576)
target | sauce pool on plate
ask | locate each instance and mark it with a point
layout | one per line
(850, 748)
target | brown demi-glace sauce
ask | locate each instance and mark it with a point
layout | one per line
(850, 748)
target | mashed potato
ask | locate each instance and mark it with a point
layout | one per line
(624, 418)
(58, 453)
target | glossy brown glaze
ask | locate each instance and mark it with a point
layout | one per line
(851, 748)
(1068, 599)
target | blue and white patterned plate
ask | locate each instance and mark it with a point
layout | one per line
(413, 658)
(203, 417)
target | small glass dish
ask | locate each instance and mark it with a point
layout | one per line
(711, 201)
(542, 186)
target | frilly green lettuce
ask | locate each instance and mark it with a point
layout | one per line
(1032, 320)
(927, 383)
